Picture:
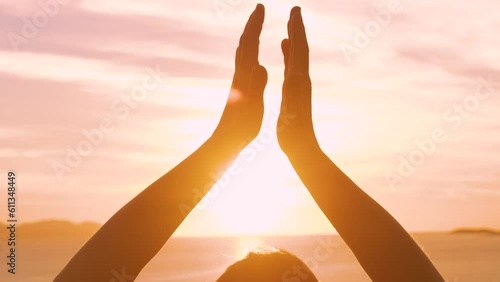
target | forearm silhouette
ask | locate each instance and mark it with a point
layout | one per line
(382, 246)
(135, 234)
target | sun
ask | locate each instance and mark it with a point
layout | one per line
(257, 200)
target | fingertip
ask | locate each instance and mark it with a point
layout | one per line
(260, 12)
(297, 16)
(260, 9)
(297, 24)
(295, 10)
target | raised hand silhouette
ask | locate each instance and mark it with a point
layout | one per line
(381, 245)
(161, 207)
(296, 135)
(242, 117)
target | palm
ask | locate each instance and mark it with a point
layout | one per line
(242, 117)
(298, 132)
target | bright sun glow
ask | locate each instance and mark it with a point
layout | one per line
(257, 199)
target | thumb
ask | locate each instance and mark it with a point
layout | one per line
(258, 80)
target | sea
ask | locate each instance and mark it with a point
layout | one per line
(459, 257)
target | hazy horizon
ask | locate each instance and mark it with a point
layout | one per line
(85, 229)
(464, 258)
(375, 110)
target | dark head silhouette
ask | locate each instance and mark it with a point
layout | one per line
(270, 265)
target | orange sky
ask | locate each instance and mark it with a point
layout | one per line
(421, 74)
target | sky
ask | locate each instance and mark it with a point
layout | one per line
(405, 101)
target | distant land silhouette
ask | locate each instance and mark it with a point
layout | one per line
(68, 230)
(476, 231)
(51, 230)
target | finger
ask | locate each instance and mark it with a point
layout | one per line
(249, 41)
(239, 49)
(259, 81)
(294, 10)
(285, 48)
(299, 48)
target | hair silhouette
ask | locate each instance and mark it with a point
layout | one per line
(269, 265)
